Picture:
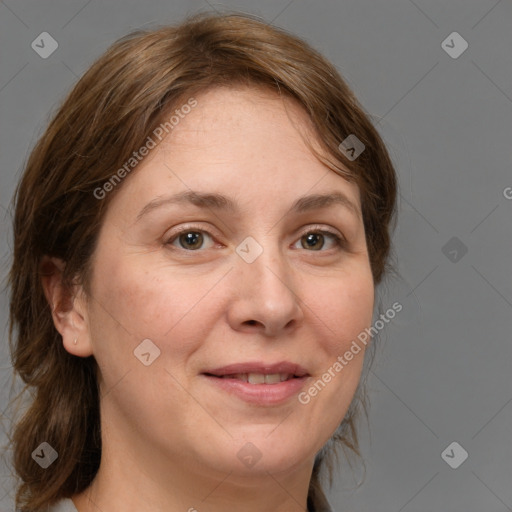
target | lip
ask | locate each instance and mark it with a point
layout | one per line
(259, 367)
(259, 394)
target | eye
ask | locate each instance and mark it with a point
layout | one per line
(189, 238)
(315, 239)
(192, 238)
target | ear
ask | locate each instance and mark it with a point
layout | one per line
(69, 308)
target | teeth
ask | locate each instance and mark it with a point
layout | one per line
(256, 378)
(273, 378)
(260, 378)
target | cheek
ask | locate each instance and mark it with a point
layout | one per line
(342, 307)
(139, 302)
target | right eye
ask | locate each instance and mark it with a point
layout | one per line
(190, 238)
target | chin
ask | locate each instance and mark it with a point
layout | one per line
(263, 452)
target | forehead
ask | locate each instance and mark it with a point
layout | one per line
(242, 142)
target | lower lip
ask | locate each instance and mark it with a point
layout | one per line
(260, 394)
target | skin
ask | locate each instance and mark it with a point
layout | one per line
(170, 438)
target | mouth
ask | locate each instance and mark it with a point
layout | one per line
(257, 378)
(259, 383)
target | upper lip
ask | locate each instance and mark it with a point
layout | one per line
(259, 367)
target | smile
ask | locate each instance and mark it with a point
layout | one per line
(263, 384)
(259, 378)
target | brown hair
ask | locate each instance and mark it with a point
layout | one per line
(111, 112)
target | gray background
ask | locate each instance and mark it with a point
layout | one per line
(442, 372)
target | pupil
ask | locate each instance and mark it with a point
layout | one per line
(192, 239)
(312, 239)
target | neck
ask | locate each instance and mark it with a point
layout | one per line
(137, 491)
(140, 480)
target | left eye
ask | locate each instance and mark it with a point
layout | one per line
(193, 239)
(315, 240)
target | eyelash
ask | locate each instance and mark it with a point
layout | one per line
(339, 241)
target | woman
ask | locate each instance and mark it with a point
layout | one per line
(198, 237)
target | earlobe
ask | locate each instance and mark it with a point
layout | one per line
(68, 312)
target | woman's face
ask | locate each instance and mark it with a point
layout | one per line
(245, 279)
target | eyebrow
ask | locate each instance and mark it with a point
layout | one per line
(216, 201)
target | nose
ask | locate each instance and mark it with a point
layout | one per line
(265, 298)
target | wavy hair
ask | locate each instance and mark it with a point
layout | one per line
(111, 111)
